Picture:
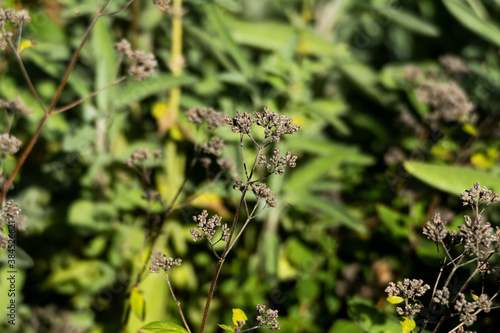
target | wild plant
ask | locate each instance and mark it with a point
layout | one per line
(256, 168)
(211, 227)
(472, 248)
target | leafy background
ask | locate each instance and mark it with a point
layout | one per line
(348, 221)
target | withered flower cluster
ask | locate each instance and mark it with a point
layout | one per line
(143, 64)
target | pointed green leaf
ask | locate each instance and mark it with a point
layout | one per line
(162, 327)
(484, 28)
(451, 179)
(135, 91)
(415, 24)
(226, 328)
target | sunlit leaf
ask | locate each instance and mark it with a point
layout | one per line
(162, 327)
(408, 325)
(137, 303)
(482, 27)
(238, 315)
(395, 299)
(451, 178)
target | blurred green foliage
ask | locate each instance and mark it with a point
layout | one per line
(349, 217)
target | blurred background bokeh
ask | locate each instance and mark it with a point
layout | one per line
(398, 104)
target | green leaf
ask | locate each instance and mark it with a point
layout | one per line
(105, 58)
(396, 222)
(451, 179)
(162, 327)
(484, 28)
(415, 23)
(371, 320)
(137, 303)
(218, 23)
(343, 325)
(135, 91)
(338, 213)
(226, 328)
(366, 79)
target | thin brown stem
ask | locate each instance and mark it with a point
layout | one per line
(81, 100)
(177, 303)
(119, 10)
(26, 76)
(221, 261)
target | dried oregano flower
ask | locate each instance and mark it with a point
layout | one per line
(468, 310)
(268, 317)
(16, 105)
(408, 290)
(214, 147)
(278, 164)
(8, 215)
(208, 227)
(9, 144)
(163, 5)
(274, 125)
(476, 196)
(161, 262)
(140, 155)
(212, 118)
(143, 64)
(454, 64)
(449, 100)
(442, 296)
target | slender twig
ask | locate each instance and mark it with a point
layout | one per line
(26, 76)
(81, 100)
(177, 302)
(119, 10)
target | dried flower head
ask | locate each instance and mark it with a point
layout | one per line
(212, 118)
(454, 64)
(277, 164)
(208, 227)
(5, 40)
(163, 5)
(16, 105)
(214, 147)
(449, 100)
(143, 64)
(442, 296)
(161, 262)
(9, 144)
(476, 196)
(138, 156)
(268, 317)
(436, 231)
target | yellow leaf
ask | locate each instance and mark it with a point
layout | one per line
(159, 109)
(480, 161)
(395, 299)
(474, 296)
(211, 201)
(238, 314)
(26, 44)
(470, 129)
(407, 325)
